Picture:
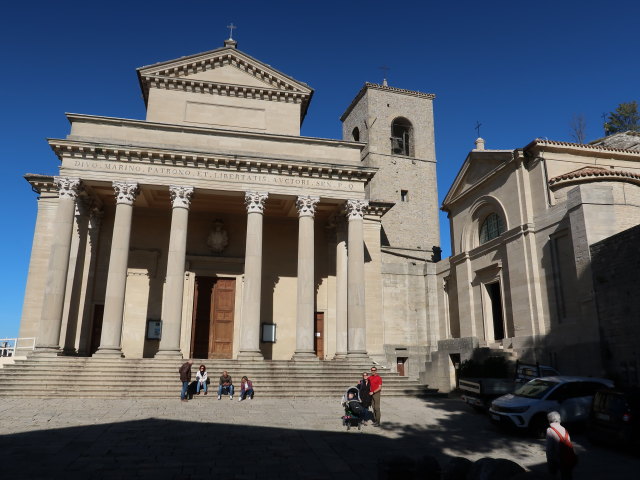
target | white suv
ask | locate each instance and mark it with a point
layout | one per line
(528, 406)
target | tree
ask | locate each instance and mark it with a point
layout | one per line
(625, 118)
(579, 128)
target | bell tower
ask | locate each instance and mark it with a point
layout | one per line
(397, 126)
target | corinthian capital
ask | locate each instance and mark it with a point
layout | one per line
(180, 196)
(306, 206)
(126, 193)
(356, 209)
(68, 187)
(254, 201)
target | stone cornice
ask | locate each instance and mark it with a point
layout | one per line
(412, 93)
(552, 145)
(590, 174)
(225, 89)
(499, 242)
(41, 183)
(386, 88)
(379, 208)
(165, 157)
(143, 124)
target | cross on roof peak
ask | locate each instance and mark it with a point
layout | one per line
(385, 72)
(477, 127)
(231, 27)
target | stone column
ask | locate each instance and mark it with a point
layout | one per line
(355, 279)
(174, 288)
(48, 340)
(305, 350)
(252, 291)
(110, 339)
(75, 278)
(86, 297)
(341, 290)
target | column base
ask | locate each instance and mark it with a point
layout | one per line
(340, 356)
(360, 356)
(109, 352)
(305, 357)
(45, 352)
(168, 354)
(251, 355)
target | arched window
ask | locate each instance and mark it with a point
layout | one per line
(491, 228)
(355, 133)
(401, 137)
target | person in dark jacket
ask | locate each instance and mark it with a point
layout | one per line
(185, 378)
(225, 385)
(363, 389)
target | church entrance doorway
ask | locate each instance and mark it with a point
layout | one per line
(319, 335)
(213, 312)
(495, 300)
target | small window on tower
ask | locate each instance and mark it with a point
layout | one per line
(356, 134)
(404, 195)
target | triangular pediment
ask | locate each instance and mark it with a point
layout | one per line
(478, 166)
(230, 74)
(227, 66)
(225, 71)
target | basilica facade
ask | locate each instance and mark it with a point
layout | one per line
(212, 229)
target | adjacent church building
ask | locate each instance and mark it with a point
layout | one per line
(524, 223)
(212, 229)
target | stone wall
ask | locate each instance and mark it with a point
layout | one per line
(615, 268)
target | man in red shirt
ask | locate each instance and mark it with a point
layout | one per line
(375, 385)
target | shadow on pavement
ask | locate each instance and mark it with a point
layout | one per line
(154, 448)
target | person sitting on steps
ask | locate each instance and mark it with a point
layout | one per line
(201, 380)
(246, 389)
(225, 385)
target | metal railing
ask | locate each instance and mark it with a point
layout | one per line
(10, 347)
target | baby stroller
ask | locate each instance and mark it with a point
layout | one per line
(354, 412)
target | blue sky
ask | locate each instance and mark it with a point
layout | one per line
(523, 69)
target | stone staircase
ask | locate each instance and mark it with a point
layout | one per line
(159, 378)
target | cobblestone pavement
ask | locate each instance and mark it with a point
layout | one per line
(300, 438)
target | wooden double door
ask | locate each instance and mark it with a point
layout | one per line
(213, 317)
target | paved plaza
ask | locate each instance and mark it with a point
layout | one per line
(265, 438)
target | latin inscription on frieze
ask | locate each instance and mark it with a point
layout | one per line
(213, 175)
